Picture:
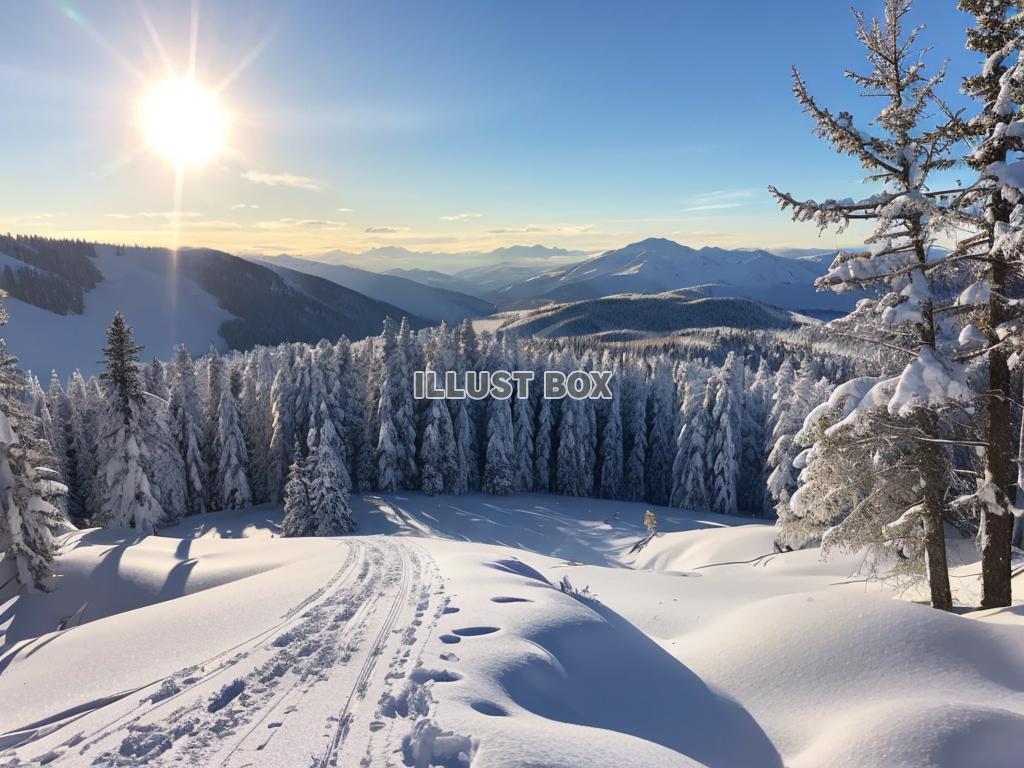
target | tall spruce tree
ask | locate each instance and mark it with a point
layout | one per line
(992, 207)
(899, 156)
(125, 495)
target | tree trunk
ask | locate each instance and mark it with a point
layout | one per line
(996, 524)
(933, 473)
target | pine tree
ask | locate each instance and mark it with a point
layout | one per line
(186, 428)
(465, 458)
(83, 399)
(992, 208)
(635, 449)
(299, 519)
(661, 433)
(283, 435)
(569, 468)
(611, 444)
(753, 457)
(498, 470)
(125, 494)
(211, 413)
(28, 516)
(437, 451)
(542, 446)
(900, 157)
(328, 482)
(690, 470)
(724, 463)
(232, 474)
(523, 446)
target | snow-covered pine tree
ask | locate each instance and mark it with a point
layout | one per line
(611, 459)
(753, 457)
(328, 482)
(723, 461)
(826, 496)
(543, 445)
(58, 408)
(690, 467)
(499, 473)
(396, 440)
(465, 456)
(155, 379)
(635, 428)
(215, 382)
(522, 463)
(83, 399)
(233, 469)
(661, 434)
(162, 460)
(900, 157)
(438, 463)
(782, 475)
(299, 519)
(125, 494)
(186, 427)
(992, 209)
(28, 516)
(405, 405)
(570, 462)
(279, 457)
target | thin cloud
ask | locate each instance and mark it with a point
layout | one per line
(344, 210)
(385, 230)
(556, 229)
(718, 200)
(318, 224)
(461, 216)
(243, 206)
(204, 225)
(711, 207)
(284, 179)
(157, 215)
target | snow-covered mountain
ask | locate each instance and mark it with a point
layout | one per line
(415, 297)
(390, 257)
(197, 297)
(436, 279)
(657, 265)
(636, 316)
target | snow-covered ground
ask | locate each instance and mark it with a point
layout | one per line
(441, 636)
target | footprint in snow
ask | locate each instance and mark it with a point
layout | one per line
(475, 631)
(505, 599)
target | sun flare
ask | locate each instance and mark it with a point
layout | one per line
(184, 122)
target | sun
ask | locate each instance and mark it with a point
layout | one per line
(183, 121)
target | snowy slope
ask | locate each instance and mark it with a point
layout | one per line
(657, 265)
(441, 637)
(637, 316)
(198, 297)
(413, 297)
(163, 309)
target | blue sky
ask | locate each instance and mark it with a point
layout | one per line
(446, 126)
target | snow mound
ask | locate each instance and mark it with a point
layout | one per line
(871, 657)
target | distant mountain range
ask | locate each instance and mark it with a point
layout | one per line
(197, 297)
(414, 297)
(387, 258)
(629, 317)
(657, 265)
(67, 291)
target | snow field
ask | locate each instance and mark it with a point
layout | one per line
(443, 638)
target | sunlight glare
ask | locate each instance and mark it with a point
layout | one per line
(183, 121)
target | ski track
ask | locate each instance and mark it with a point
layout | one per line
(363, 631)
